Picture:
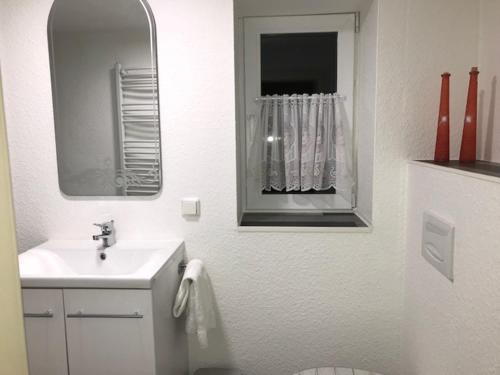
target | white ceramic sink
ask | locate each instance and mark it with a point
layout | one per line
(77, 264)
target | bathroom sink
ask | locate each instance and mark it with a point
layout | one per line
(78, 264)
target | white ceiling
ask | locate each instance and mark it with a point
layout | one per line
(96, 15)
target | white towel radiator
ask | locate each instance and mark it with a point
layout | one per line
(139, 130)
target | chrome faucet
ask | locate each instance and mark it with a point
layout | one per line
(107, 236)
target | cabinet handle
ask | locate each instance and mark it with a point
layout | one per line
(81, 315)
(47, 314)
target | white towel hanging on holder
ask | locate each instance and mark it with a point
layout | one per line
(196, 299)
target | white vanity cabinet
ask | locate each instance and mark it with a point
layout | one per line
(113, 325)
(104, 331)
(45, 332)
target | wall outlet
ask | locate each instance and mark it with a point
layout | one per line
(190, 206)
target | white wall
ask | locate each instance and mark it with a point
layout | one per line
(286, 301)
(489, 63)
(442, 36)
(365, 111)
(453, 328)
(450, 328)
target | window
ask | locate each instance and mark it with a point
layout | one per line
(301, 65)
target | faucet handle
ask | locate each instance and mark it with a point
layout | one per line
(106, 226)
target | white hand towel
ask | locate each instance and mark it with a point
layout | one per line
(195, 297)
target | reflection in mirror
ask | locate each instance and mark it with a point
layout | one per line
(105, 92)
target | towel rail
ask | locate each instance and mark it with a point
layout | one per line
(137, 104)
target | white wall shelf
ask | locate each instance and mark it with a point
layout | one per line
(483, 170)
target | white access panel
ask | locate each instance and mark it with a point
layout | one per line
(438, 242)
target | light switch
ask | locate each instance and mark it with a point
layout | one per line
(190, 207)
(438, 242)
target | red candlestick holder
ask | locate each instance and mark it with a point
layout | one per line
(469, 140)
(442, 151)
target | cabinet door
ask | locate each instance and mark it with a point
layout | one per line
(109, 332)
(45, 336)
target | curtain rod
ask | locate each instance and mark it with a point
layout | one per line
(336, 97)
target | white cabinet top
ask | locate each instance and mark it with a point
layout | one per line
(78, 264)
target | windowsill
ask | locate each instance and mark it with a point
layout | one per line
(307, 222)
(481, 169)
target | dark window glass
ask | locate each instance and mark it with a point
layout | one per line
(303, 63)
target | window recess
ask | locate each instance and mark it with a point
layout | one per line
(296, 116)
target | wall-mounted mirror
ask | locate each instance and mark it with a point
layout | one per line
(105, 92)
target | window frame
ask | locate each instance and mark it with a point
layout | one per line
(251, 199)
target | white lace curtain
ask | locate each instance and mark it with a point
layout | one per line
(299, 143)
